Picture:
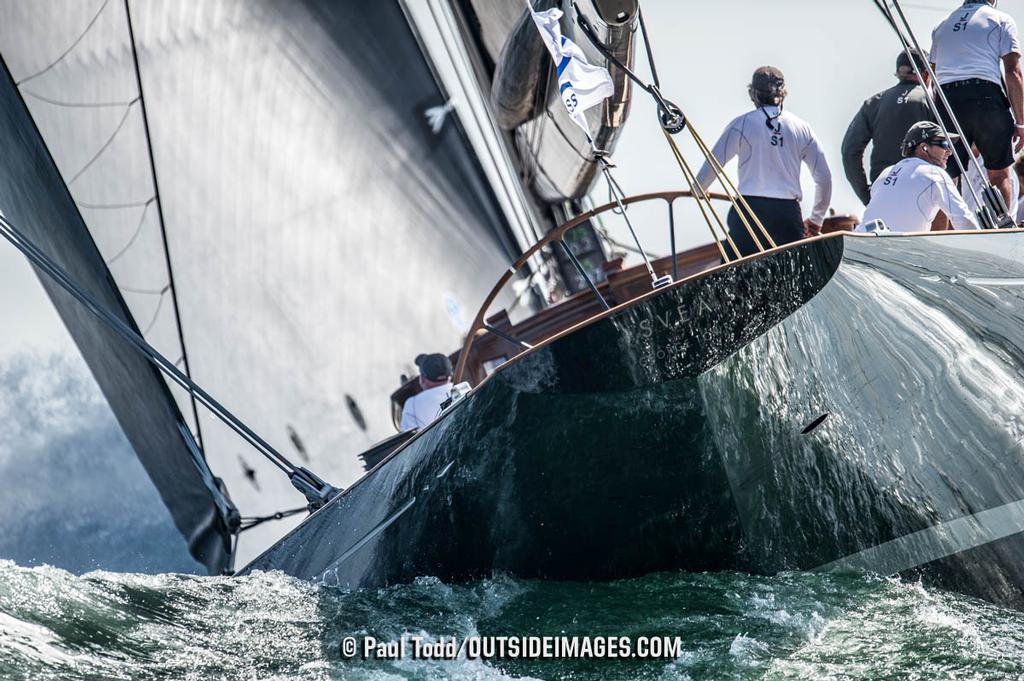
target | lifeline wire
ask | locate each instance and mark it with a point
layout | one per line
(617, 194)
(701, 197)
(673, 120)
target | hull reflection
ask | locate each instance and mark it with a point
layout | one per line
(851, 404)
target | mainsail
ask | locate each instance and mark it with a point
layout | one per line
(254, 186)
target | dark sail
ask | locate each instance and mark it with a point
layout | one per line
(33, 195)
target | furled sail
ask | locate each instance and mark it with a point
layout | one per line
(283, 222)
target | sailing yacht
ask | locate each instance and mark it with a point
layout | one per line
(849, 402)
(288, 201)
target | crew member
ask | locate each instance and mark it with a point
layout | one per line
(966, 51)
(883, 120)
(435, 383)
(771, 144)
(907, 196)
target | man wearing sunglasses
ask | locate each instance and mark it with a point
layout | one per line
(908, 195)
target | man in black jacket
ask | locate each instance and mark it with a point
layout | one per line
(883, 120)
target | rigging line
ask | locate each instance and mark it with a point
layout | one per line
(71, 47)
(135, 235)
(884, 7)
(613, 187)
(302, 478)
(106, 144)
(704, 201)
(730, 189)
(717, 170)
(163, 226)
(647, 44)
(153, 320)
(112, 206)
(250, 522)
(588, 31)
(76, 105)
(670, 115)
(697, 191)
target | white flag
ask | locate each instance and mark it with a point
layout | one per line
(581, 84)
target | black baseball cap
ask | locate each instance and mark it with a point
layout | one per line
(767, 79)
(919, 58)
(923, 131)
(434, 366)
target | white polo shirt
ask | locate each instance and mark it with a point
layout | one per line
(770, 157)
(422, 408)
(971, 42)
(908, 195)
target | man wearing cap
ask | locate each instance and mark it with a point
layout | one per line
(436, 384)
(771, 144)
(908, 195)
(883, 120)
(967, 49)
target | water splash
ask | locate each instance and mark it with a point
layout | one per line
(54, 625)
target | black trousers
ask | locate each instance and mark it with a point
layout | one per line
(781, 217)
(984, 114)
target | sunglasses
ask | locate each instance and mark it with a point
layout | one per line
(940, 143)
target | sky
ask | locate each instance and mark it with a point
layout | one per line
(834, 53)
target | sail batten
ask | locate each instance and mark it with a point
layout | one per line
(35, 196)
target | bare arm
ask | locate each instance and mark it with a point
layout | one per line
(1015, 91)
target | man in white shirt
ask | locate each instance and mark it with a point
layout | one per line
(771, 144)
(436, 384)
(967, 49)
(908, 195)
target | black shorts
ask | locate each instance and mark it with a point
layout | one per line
(984, 114)
(781, 217)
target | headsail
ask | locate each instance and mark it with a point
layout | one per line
(33, 194)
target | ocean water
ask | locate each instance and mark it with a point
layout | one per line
(103, 625)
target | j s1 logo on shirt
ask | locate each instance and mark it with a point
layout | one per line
(961, 23)
(891, 178)
(777, 139)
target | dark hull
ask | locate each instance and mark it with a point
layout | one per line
(668, 434)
